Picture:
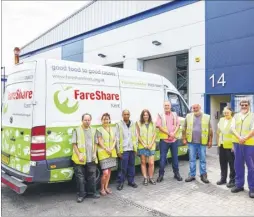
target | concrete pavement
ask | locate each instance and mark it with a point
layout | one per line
(169, 198)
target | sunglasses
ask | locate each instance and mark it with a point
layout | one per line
(244, 105)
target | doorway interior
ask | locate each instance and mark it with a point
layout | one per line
(217, 104)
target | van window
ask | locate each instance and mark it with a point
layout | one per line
(178, 105)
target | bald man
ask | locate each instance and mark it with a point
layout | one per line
(198, 134)
(126, 147)
(168, 124)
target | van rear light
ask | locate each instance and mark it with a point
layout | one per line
(38, 145)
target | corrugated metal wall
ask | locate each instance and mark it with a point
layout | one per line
(97, 14)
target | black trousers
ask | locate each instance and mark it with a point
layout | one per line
(227, 157)
(85, 178)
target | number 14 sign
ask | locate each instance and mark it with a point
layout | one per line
(220, 81)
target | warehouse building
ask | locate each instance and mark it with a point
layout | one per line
(205, 48)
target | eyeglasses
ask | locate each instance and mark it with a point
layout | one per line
(244, 105)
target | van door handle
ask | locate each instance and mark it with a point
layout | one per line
(13, 139)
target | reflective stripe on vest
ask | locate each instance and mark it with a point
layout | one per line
(133, 137)
(146, 135)
(80, 135)
(204, 128)
(225, 136)
(108, 140)
(243, 127)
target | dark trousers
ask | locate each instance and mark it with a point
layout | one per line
(227, 157)
(164, 147)
(244, 154)
(127, 167)
(85, 178)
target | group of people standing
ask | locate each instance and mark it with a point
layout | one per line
(130, 139)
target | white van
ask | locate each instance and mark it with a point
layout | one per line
(44, 102)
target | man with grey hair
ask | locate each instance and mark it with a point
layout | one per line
(198, 134)
(168, 124)
(126, 148)
(242, 127)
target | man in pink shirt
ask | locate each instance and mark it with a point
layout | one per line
(168, 124)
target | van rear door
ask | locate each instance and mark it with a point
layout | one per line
(17, 117)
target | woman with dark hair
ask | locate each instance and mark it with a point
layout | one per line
(146, 147)
(226, 151)
(106, 152)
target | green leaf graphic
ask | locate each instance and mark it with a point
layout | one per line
(63, 107)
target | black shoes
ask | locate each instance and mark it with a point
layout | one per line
(96, 195)
(251, 194)
(236, 189)
(80, 199)
(134, 185)
(120, 187)
(204, 179)
(160, 179)
(231, 184)
(221, 182)
(190, 179)
(178, 177)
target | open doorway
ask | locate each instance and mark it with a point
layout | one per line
(218, 102)
(174, 68)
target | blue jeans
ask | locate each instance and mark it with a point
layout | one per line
(164, 146)
(195, 149)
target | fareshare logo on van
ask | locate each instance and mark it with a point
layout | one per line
(19, 94)
(63, 101)
(67, 100)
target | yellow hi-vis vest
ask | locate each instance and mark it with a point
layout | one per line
(225, 136)
(243, 127)
(161, 135)
(204, 128)
(108, 139)
(80, 135)
(146, 135)
(134, 138)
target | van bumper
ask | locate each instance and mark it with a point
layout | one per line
(13, 183)
(14, 179)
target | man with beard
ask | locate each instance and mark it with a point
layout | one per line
(242, 127)
(198, 134)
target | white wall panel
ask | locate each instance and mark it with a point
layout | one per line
(197, 69)
(197, 98)
(97, 14)
(171, 20)
(175, 40)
